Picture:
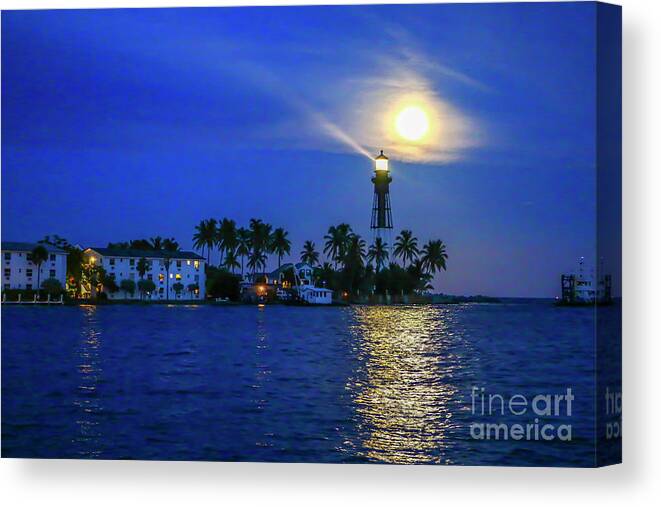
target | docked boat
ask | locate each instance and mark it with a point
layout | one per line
(585, 287)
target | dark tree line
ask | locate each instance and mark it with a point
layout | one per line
(351, 265)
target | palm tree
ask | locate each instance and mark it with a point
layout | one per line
(39, 255)
(378, 253)
(280, 244)
(142, 267)
(170, 244)
(167, 262)
(336, 242)
(434, 256)
(265, 245)
(137, 244)
(354, 256)
(231, 261)
(309, 255)
(406, 247)
(205, 236)
(260, 233)
(225, 237)
(256, 260)
(156, 243)
(354, 260)
(122, 245)
(421, 279)
(242, 244)
(333, 244)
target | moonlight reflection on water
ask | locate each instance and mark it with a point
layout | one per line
(87, 402)
(405, 386)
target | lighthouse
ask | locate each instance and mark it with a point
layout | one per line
(381, 224)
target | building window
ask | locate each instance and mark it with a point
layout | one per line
(178, 276)
(197, 264)
(161, 277)
(6, 286)
(7, 272)
(187, 263)
(112, 262)
(131, 276)
(28, 257)
(150, 277)
(7, 256)
(131, 262)
(51, 273)
(52, 257)
(178, 264)
(197, 278)
(28, 273)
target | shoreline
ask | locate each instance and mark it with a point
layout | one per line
(427, 301)
(416, 302)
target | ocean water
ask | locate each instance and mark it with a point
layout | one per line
(361, 384)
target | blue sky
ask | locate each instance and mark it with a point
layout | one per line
(118, 124)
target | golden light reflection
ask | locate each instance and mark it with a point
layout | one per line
(261, 390)
(402, 390)
(87, 401)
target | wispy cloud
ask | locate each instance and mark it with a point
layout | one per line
(345, 97)
(369, 114)
(356, 111)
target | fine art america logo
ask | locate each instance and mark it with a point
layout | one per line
(613, 414)
(520, 417)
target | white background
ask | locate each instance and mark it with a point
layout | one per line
(638, 481)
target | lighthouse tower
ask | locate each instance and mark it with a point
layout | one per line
(381, 223)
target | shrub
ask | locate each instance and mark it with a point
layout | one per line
(127, 286)
(52, 286)
(145, 286)
(109, 282)
(223, 284)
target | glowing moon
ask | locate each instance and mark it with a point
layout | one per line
(412, 123)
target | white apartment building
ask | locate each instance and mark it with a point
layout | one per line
(19, 272)
(166, 269)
